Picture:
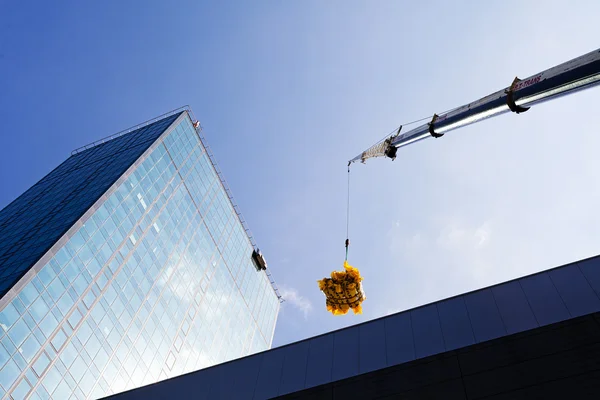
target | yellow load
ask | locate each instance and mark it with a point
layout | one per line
(343, 291)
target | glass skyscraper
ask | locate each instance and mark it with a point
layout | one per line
(126, 265)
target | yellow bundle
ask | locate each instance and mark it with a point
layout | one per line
(343, 291)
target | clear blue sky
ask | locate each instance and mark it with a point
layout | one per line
(288, 91)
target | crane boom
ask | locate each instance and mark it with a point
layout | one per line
(572, 76)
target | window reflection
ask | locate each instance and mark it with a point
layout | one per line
(156, 283)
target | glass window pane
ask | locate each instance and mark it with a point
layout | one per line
(62, 391)
(87, 382)
(48, 324)
(62, 257)
(41, 363)
(69, 353)
(46, 275)
(76, 242)
(64, 304)
(8, 316)
(59, 339)
(42, 393)
(20, 392)
(21, 363)
(28, 294)
(74, 318)
(84, 332)
(29, 348)
(39, 309)
(51, 380)
(31, 376)
(8, 374)
(18, 332)
(78, 369)
(4, 356)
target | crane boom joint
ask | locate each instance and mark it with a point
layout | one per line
(510, 100)
(432, 131)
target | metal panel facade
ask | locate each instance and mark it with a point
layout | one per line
(547, 305)
(400, 344)
(372, 354)
(461, 321)
(484, 315)
(345, 354)
(320, 360)
(456, 325)
(514, 308)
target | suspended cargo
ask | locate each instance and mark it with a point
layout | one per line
(343, 291)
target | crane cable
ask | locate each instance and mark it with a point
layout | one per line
(348, 215)
(347, 243)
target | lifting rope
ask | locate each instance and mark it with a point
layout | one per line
(348, 215)
(343, 291)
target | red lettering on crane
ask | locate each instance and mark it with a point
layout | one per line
(527, 82)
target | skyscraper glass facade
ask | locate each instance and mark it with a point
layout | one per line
(143, 271)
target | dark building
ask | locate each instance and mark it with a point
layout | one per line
(536, 337)
(126, 265)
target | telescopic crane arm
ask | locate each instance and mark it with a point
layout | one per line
(567, 78)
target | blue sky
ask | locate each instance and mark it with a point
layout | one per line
(288, 91)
